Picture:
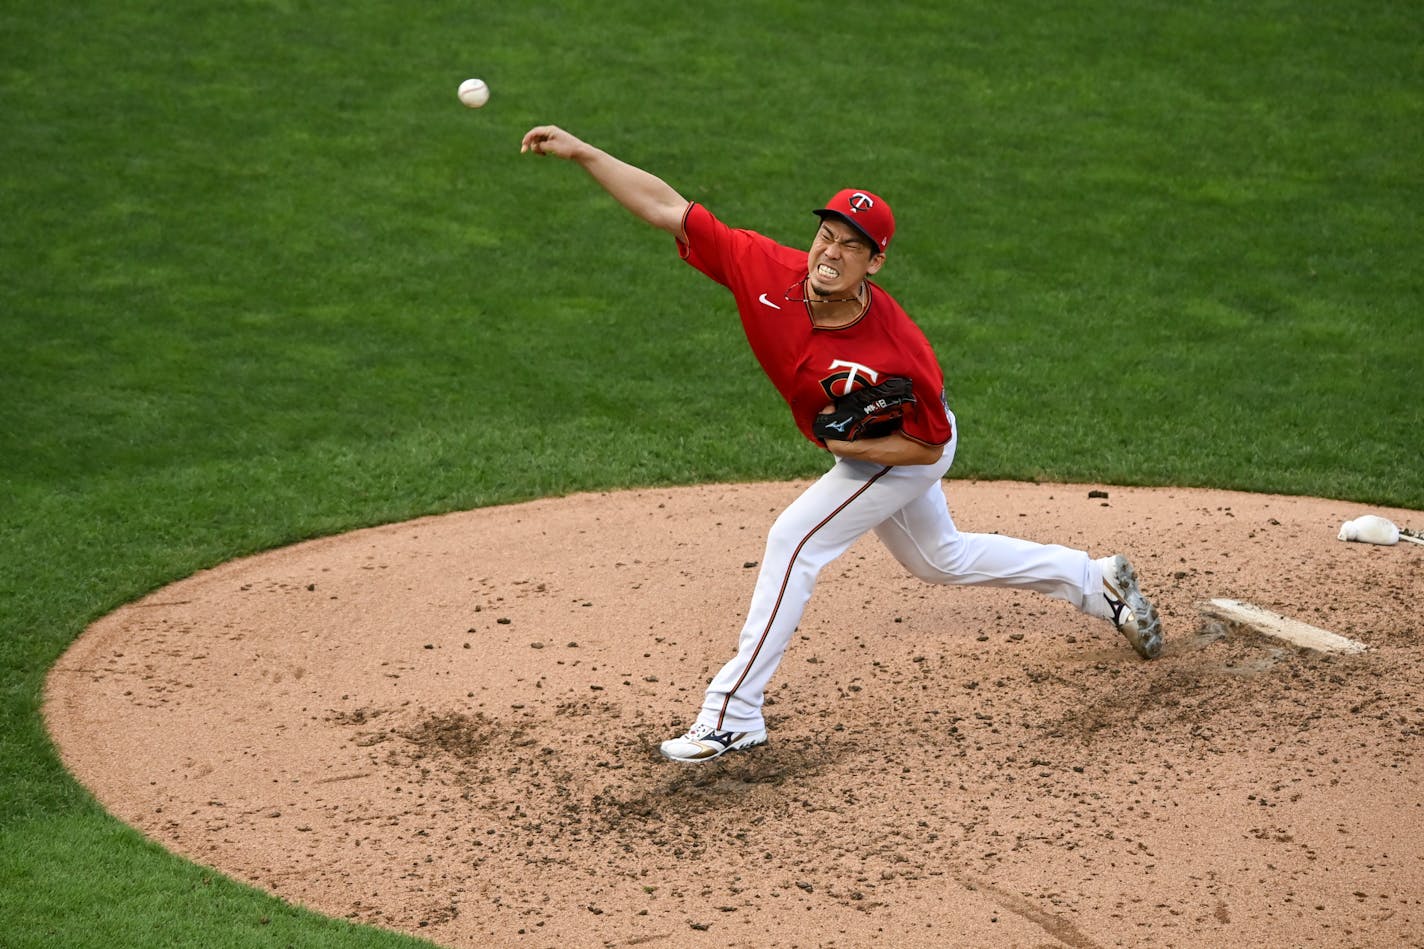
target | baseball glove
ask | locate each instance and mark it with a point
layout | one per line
(867, 412)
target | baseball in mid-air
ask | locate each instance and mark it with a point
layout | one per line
(474, 93)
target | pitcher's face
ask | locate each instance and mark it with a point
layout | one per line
(839, 259)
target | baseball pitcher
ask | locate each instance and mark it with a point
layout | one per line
(863, 383)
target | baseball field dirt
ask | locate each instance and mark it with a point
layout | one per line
(449, 727)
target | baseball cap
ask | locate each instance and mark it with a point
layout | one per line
(864, 211)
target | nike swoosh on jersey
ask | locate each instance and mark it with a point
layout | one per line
(763, 299)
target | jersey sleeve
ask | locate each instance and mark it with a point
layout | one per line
(709, 245)
(927, 420)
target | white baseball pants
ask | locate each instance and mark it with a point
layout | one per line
(906, 508)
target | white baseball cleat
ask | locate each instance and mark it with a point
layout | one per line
(1132, 613)
(703, 743)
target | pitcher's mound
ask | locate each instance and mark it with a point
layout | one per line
(449, 727)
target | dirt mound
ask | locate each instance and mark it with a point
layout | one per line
(449, 727)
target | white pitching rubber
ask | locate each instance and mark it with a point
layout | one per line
(1276, 626)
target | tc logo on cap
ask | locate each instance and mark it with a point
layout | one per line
(866, 212)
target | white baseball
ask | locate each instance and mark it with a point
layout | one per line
(474, 93)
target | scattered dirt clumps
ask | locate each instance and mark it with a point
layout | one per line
(449, 727)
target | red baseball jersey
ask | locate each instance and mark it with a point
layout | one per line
(810, 365)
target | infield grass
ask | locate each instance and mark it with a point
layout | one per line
(265, 279)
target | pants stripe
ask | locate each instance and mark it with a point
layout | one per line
(786, 579)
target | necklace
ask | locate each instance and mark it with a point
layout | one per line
(801, 284)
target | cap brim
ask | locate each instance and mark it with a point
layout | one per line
(824, 213)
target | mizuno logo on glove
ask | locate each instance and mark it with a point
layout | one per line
(867, 412)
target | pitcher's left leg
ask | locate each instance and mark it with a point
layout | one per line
(847, 501)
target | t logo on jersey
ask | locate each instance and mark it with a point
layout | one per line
(844, 382)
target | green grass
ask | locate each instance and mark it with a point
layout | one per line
(130, 893)
(266, 280)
